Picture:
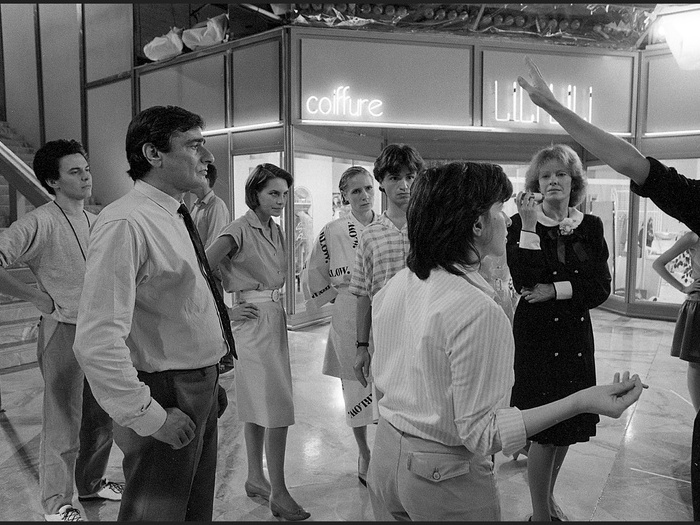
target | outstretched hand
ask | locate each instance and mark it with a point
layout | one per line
(537, 88)
(614, 398)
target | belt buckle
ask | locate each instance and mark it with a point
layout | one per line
(275, 295)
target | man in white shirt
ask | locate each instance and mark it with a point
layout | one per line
(149, 338)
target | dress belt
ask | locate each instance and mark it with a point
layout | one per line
(260, 296)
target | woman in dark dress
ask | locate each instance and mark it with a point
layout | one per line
(558, 259)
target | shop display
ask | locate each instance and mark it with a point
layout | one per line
(606, 25)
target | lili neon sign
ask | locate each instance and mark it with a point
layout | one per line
(516, 105)
(341, 104)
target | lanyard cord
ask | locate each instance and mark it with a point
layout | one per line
(71, 227)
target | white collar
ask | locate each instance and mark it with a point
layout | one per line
(575, 215)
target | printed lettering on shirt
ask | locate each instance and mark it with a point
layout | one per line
(320, 292)
(337, 272)
(362, 404)
(353, 234)
(324, 247)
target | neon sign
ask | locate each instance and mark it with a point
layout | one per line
(341, 104)
(516, 105)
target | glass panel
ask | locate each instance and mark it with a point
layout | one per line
(109, 103)
(197, 86)
(108, 39)
(657, 233)
(18, 48)
(317, 202)
(61, 67)
(608, 197)
(256, 84)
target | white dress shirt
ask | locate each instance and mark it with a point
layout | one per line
(145, 306)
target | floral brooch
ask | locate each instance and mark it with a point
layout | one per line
(567, 226)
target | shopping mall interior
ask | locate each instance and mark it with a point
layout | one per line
(273, 83)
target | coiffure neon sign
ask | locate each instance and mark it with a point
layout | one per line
(341, 104)
(516, 105)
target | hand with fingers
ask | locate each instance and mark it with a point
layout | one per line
(537, 88)
(527, 203)
(177, 430)
(243, 311)
(614, 398)
(361, 367)
(539, 293)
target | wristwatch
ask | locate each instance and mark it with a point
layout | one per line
(358, 344)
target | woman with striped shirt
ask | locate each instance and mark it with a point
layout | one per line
(444, 359)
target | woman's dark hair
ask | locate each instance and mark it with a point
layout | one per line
(258, 179)
(47, 160)
(155, 125)
(446, 201)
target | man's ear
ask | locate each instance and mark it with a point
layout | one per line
(152, 154)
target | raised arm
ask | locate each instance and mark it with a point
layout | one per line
(617, 153)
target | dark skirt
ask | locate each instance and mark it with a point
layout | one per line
(554, 357)
(686, 337)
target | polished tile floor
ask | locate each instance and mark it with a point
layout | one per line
(635, 469)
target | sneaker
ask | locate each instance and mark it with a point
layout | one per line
(110, 490)
(65, 513)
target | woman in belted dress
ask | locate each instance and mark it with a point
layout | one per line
(558, 258)
(251, 255)
(326, 279)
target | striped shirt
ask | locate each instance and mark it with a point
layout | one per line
(444, 361)
(381, 254)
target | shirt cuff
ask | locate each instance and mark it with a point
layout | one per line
(529, 240)
(564, 290)
(512, 430)
(150, 421)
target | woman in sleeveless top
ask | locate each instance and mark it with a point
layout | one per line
(686, 336)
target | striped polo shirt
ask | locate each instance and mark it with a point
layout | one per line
(381, 254)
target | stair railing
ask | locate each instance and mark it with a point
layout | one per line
(21, 177)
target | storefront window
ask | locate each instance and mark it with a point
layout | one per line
(608, 197)
(657, 232)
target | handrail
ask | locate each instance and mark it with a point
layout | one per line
(22, 178)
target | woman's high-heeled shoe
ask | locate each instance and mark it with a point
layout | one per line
(298, 514)
(251, 491)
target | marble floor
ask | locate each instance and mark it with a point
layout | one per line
(635, 469)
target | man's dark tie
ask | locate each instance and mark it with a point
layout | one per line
(209, 276)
